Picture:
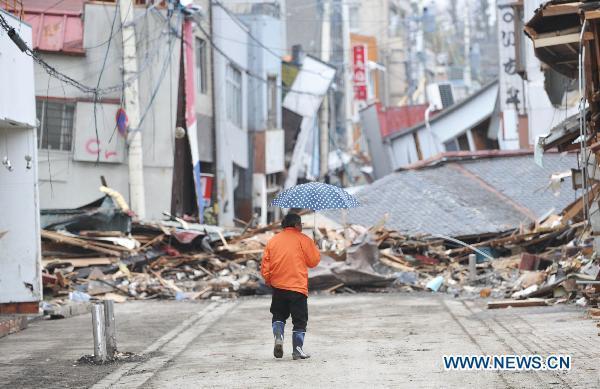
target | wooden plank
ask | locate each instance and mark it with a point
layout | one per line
(82, 262)
(59, 238)
(593, 14)
(561, 40)
(225, 244)
(561, 9)
(516, 303)
(395, 265)
(153, 241)
(575, 207)
(329, 290)
(566, 31)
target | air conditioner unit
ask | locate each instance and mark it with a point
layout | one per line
(440, 95)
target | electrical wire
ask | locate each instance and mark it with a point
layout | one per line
(248, 72)
(258, 41)
(112, 28)
(49, 69)
(17, 40)
(158, 84)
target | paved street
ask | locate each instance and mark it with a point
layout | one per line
(366, 340)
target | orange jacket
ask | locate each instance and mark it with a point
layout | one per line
(286, 260)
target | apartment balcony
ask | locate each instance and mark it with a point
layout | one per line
(269, 151)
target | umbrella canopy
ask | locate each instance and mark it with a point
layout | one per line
(316, 196)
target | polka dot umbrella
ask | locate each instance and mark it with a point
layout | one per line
(316, 196)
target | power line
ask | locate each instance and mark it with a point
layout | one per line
(17, 40)
(251, 36)
(112, 27)
(248, 72)
(52, 6)
(158, 84)
(52, 71)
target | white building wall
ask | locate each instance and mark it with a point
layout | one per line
(450, 124)
(403, 152)
(20, 268)
(65, 181)
(231, 140)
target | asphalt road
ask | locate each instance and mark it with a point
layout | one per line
(364, 340)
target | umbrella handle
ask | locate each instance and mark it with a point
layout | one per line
(315, 226)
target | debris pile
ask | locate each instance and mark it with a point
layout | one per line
(98, 252)
(550, 263)
(173, 259)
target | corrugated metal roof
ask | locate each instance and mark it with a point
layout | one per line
(57, 26)
(397, 119)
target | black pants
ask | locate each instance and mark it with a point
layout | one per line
(286, 302)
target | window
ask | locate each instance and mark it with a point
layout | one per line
(354, 15)
(461, 143)
(201, 66)
(272, 102)
(234, 95)
(451, 145)
(56, 124)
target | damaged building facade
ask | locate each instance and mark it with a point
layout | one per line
(20, 252)
(566, 38)
(78, 138)
(83, 137)
(525, 102)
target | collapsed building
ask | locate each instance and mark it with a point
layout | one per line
(565, 36)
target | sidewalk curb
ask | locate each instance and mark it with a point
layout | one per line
(12, 324)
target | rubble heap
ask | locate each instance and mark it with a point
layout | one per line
(116, 258)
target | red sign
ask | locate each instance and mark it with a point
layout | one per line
(360, 92)
(359, 76)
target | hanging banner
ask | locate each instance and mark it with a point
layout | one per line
(190, 112)
(359, 76)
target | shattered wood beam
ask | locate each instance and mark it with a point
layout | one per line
(561, 9)
(153, 241)
(59, 238)
(591, 15)
(557, 33)
(269, 227)
(516, 303)
(561, 39)
(109, 246)
(576, 207)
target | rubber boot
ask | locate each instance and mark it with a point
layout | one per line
(298, 343)
(278, 327)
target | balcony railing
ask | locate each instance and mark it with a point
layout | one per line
(15, 7)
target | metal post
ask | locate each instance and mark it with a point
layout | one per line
(472, 267)
(110, 328)
(99, 333)
(324, 125)
(348, 88)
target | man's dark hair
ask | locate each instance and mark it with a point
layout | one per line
(291, 220)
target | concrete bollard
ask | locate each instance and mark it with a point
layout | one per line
(472, 267)
(99, 333)
(110, 328)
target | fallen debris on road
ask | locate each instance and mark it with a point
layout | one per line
(178, 259)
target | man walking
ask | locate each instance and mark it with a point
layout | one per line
(285, 264)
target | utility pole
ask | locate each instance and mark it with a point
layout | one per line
(325, 56)
(467, 52)
(132, 107)
(348, 89)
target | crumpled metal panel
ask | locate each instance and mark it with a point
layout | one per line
(100, 215)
